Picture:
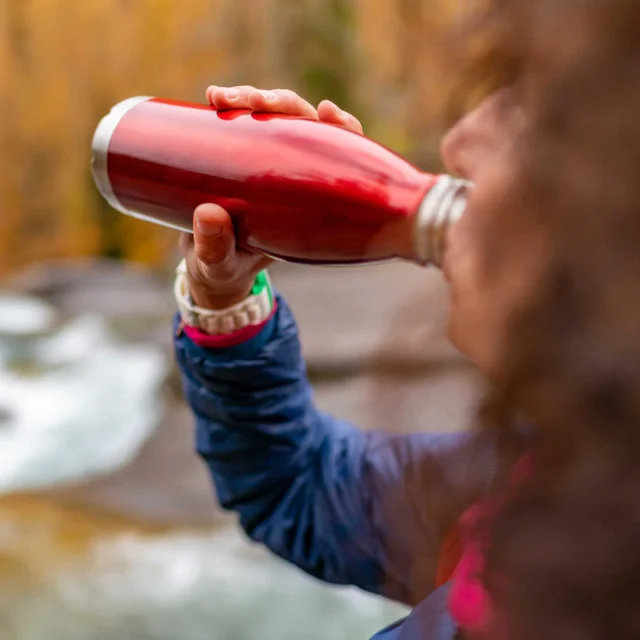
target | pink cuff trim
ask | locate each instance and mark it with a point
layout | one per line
(206, 341)
(468, 601)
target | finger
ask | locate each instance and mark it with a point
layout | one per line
(282, 101)
(274, 101)
(185, 243)
(224, 98)
(332, 114)
(213, 235)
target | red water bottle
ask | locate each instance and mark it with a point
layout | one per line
(296, 189)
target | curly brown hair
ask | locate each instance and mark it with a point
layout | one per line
(564, 557)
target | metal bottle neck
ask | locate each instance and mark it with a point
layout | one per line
(442, 207)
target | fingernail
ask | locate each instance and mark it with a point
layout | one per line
(270, 96)
(231, 94)
(208, 228)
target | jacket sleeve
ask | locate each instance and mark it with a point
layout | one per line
(346, 506)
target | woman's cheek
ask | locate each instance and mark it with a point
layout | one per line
(478, 248)
(472, 330)
(468, 305)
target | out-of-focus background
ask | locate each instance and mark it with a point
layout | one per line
(108, 525)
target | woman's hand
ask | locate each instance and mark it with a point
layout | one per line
(280, 101)
(220, 274)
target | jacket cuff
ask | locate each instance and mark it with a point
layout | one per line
(198, 348)
(209, 341)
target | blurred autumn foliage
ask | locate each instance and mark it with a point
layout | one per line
(64, 63)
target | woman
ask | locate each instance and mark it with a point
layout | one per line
(544, 272)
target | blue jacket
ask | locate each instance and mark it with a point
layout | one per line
(346, 506)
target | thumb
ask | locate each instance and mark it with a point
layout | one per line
(213, 234)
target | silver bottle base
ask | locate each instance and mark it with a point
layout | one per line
(442, 207)
(100, 157)
(100, 149)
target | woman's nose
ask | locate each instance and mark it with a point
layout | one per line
(468, 143)
(452, 151)
(474, 140)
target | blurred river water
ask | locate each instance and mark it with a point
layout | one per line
(78, 575)
(78, 404)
